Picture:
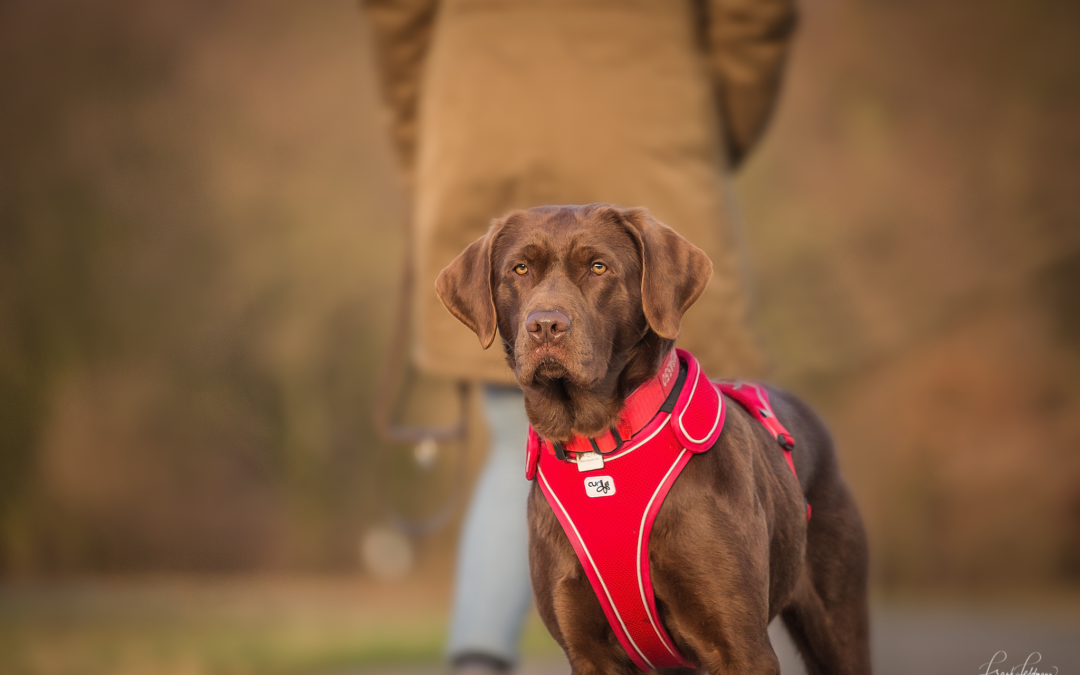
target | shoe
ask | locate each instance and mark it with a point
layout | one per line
(478, 663)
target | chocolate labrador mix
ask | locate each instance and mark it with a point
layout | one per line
(588, 301)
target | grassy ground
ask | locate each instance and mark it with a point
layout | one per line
(240, 626)
(157, 626)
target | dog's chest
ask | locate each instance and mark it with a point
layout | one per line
(608, 514)
(607, 505)
(607, 509)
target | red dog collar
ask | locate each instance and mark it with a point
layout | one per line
(607, 491)
(640, 407)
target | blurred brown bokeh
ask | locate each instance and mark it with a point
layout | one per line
(199, 248)
(199, 241)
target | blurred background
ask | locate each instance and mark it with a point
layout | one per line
(200, 245)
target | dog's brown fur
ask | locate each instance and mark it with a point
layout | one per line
(730, 548)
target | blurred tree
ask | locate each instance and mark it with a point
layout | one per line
(915, 228)
(195, 270)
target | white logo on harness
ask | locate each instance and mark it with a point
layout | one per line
(599, 486)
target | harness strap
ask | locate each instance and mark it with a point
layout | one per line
(755, 399)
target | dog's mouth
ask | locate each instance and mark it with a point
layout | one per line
(541, 365)
(547, 369)
(545, 366)
(550, 368)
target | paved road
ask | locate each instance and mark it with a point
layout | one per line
(906, 642)
(927, 642)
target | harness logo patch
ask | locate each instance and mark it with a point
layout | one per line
(599, 486)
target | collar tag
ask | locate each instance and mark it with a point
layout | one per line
(589, 461)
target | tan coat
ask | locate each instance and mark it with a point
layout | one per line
(503, 104)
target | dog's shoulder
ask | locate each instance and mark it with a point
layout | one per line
(813, 454)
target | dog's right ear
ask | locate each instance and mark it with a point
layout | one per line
(464, 286)
(674, 272)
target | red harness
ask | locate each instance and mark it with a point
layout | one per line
(606, 491)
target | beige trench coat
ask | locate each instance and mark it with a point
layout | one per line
(504, 104)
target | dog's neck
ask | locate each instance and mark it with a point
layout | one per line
(558, 410)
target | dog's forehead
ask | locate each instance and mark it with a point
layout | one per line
(563, 230)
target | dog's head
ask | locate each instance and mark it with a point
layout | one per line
(587, 300)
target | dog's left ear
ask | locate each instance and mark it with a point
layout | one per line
(674, 272)
(464, 286)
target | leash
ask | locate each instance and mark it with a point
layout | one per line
(425, 440)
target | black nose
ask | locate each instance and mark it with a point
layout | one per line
(547, 326)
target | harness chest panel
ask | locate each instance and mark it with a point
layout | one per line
(607, 507)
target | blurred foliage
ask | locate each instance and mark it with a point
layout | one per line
(191, 207)
(199, 241)
(914, 223)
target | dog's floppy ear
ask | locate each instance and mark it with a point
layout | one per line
(464, 286)
(674, 272)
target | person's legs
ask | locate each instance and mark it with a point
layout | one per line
(491, 590)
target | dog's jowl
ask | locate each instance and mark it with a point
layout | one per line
(672, 517)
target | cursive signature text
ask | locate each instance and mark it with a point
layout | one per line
(1028, 667)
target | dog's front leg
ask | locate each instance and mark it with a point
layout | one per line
(565, 599)
(725, 633)
(711, 574)
(727, 640)
(590, 645)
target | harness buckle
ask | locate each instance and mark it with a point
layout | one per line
(618, 439)
(618, 443)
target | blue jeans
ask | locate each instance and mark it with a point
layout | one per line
(492, 592)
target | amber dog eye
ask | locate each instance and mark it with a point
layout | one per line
(521, 269)
(599, 268)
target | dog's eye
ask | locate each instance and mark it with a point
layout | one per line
(599, 268)
(521, 269)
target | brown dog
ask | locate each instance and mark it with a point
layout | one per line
(588, 301)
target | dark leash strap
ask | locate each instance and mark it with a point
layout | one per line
(387, 409)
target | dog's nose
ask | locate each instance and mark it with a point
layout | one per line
(547, 326)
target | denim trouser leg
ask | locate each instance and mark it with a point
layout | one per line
(492, 591)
